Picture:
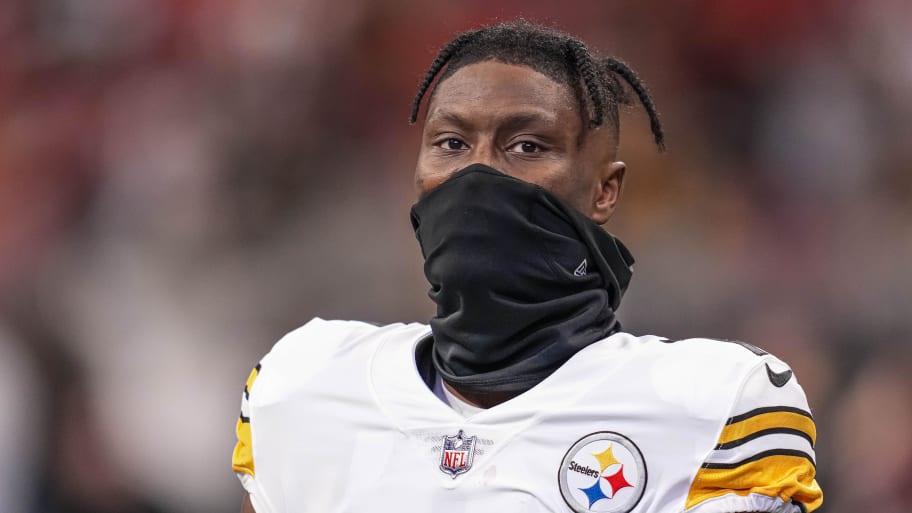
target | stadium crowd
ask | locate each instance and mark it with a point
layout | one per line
(183, 181)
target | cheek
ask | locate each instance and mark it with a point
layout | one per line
(427, 179)
(573, 189)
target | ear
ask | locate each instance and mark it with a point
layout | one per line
(611, 180)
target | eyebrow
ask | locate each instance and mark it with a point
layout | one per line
(512, 122)
(447, 117)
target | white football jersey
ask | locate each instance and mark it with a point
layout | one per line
(338, 418)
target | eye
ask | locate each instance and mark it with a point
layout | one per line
(452, 144)
(525, 147)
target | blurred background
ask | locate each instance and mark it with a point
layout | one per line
(184, 181)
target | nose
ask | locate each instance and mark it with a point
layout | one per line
(486, 152)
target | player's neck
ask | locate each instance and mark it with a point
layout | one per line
(482, 400)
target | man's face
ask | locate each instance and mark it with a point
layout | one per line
(525, 125)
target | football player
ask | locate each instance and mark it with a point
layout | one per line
(523, 393)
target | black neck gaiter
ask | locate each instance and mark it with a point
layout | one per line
(521, 281)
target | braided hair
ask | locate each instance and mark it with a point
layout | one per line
(596, 81)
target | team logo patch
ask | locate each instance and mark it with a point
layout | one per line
(457, 454)
(603, 472)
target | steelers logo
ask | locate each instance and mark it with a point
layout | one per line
(603, 472)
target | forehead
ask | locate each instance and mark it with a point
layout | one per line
(490, 88)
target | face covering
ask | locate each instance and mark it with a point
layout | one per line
(521, 281)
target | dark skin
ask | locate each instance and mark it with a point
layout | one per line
(526, 125)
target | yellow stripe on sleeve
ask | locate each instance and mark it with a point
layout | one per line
(787, 477)
(242, 459)
(775, 419)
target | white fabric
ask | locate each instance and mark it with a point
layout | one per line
(758, 445)
(757, 392)
(752, 502)
(342, 421)
(258, 500)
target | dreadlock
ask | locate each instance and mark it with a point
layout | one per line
(595, 81)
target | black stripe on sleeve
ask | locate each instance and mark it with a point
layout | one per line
(245, 420)
(763, 432)
(760, 456)
(247, 392)
(768, 409)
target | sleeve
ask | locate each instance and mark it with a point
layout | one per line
(764, 458)
(289, 365)
(242, 460)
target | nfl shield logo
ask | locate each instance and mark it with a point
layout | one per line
(458, 453)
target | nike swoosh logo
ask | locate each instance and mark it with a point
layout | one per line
(778, 379)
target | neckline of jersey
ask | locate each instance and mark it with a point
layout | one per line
(403, 394)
